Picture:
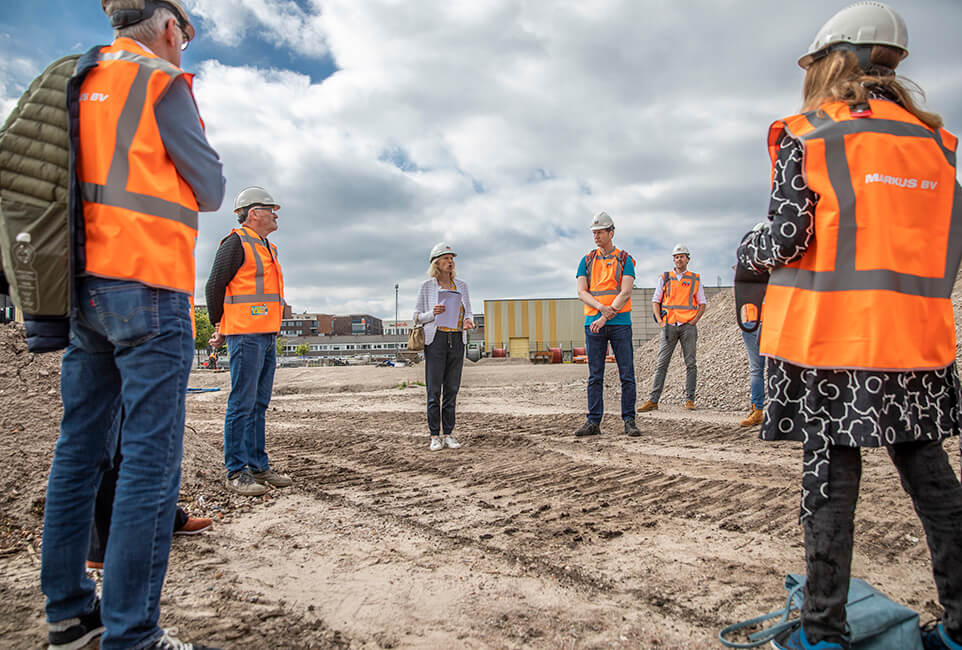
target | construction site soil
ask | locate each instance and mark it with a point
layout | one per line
(526, 537)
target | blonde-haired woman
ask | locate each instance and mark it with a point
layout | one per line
(443, 346)
(863, 245)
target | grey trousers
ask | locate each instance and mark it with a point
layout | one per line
(936, 494)
(670, 335)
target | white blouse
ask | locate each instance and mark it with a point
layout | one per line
(428, 298)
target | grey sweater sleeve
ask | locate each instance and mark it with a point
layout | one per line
(179, 124)
(227, 261)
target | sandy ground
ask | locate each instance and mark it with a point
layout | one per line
(525, 538)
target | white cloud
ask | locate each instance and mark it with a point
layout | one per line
(283, 22)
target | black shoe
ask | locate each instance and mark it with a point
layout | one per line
(75, 633)
(631, 429)
(589, 428)
(167, 642)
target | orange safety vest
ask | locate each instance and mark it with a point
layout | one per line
(679, 297)
(254, 301)
(604, 278)
(140, 215)
(873, 289)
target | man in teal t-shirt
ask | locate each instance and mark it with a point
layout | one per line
(606, 276)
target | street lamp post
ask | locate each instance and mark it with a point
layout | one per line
(397, 339)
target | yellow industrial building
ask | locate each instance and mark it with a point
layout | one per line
(525, 326)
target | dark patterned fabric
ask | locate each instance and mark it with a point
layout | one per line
(848, 408)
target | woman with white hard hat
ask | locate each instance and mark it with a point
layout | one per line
(443, 344)
(863, 246)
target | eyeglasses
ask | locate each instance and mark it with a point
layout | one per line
(268, 208)
(183, 46)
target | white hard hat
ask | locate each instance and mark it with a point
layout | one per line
(441, 249)
(251, 196)
(681, 249)
(861, 24)
(602, 221)
(124, 13)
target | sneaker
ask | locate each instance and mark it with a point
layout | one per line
(271, 477)
(690, 404)
(755, 417)
(794, 639)
(75, 633)
(934, 637)
(630, 428)
(589, 428)
(451, 443)
(168, 642)
(436, 444)
(648, 406)
(243, 483)
(95, 566)
(194, 526)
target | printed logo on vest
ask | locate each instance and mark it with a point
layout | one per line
(258, 310)
(909, 183)
(93, 97)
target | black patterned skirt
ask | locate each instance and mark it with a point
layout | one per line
(854, 408)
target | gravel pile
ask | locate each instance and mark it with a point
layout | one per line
(722, 362)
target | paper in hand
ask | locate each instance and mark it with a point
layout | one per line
(452, 309)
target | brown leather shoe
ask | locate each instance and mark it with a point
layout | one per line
(755, 417)
(194, 526)
(690, 405)
(648, 406)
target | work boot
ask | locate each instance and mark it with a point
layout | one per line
(690, 404)
(648, 406)
(755, 417)
(244, 484)
(630, 428)
(589, 428)
(270, 477)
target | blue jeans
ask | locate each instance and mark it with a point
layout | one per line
(252, 361)
(756, 367)
(130, 348)
(619, 336)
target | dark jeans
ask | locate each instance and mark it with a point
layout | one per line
(937, 496)
(670, 336)
(619, 336)
(443, 361)
(103, 509)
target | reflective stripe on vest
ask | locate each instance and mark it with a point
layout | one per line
(678, 299)
(604, 283)
(873, 290)
(140, 214)
(254, 301)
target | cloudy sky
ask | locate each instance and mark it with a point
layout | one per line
(498, 126)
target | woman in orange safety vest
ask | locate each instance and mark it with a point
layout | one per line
(863, 245)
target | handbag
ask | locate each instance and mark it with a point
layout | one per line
(875, 622)
(416, 338)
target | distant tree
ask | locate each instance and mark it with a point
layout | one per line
(279, 344)
(204, 329)
(302, 349)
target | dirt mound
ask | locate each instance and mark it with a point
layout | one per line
(722, 362)
(30, 413)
